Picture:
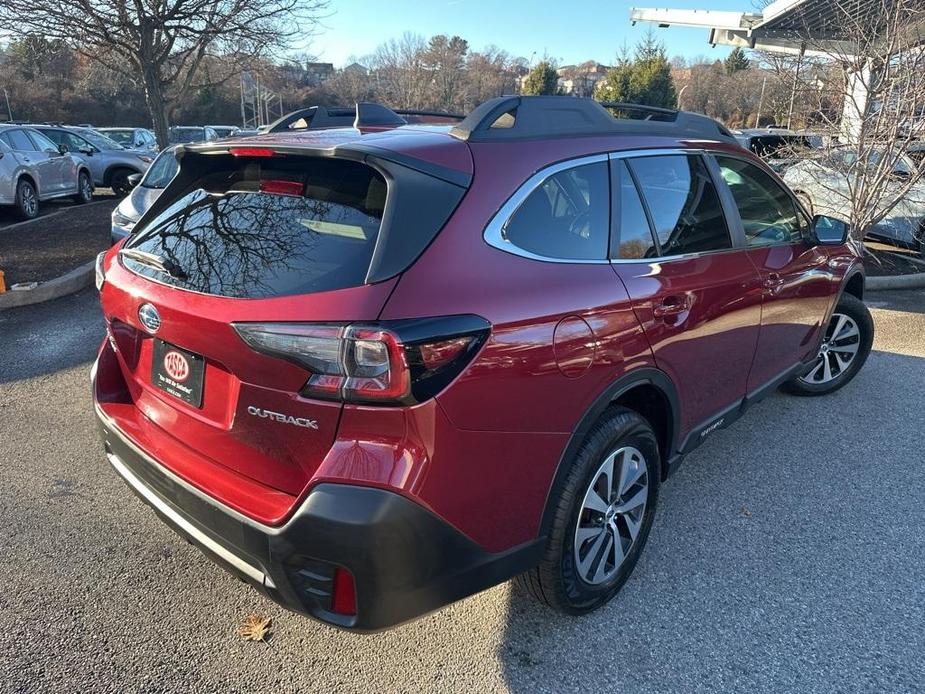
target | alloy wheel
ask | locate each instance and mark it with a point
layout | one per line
(27, 196)
(611, 515)
(837, 352)
(86, 190)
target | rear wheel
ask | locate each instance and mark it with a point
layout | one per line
(118, 181)
(844, 349)
(84, 188)
(602, 516)
(27, 200)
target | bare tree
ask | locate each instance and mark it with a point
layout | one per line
(400, 71)
(163, 44)
(878, 50)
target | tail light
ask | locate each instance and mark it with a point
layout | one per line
(393, 362)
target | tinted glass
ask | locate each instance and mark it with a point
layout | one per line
(566, 217)
(19, 141)
(181, 135)
(162, 171)
(768, 213)
(123, 137)
(227, 237)
(683, 202)
(100, 141)
(41, 142)
(634, 237)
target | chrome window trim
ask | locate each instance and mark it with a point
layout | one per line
(494, 231)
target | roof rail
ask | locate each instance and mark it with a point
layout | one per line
(365, 114)
(508, 118)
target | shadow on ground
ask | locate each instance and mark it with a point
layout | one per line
(45, 338)
(786, 556)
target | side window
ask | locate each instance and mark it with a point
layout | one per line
(20, 142)
(768, 213)
(633, 234)
(42, 143)
(566, 217)
(683, 203)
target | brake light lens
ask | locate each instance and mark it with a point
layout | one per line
(344, 600)
(402, 362)
(251, 152)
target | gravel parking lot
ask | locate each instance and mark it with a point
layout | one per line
(788, 555)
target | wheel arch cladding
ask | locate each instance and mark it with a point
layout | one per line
(25, 175)
(855, 285)
(648, 391)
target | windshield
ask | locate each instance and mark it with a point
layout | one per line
(123, 137)
(161, 171)
(901, 164)
(181, 135)
(99, 141)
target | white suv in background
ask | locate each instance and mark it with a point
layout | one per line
(33, 168)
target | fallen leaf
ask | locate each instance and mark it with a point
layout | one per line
(255, 628)
(746, 512)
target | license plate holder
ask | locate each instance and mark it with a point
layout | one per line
(178, 372)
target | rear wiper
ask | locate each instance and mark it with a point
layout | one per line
(153, 260)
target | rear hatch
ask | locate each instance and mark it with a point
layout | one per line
(254, 235)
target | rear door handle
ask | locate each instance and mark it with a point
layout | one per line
(672, 306)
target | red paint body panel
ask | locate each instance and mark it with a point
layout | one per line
(483, 453)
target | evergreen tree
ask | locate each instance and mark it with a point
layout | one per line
(736, 61)
(645, 80)
(542, 80)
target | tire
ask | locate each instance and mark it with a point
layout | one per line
(578, 582)
(26, 203)
(849, 335)
(118, 181)
(84, 188)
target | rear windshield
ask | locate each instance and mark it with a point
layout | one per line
(266, 227)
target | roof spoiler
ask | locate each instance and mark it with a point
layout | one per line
(509, 118)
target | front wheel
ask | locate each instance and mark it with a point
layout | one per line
(844, 349)
(118, 181)
(603, 514)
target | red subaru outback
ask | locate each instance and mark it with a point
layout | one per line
(374, 370)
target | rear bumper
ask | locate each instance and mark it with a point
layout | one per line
(405, 560)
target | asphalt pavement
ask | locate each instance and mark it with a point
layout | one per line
(788, 554)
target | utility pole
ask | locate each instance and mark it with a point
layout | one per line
(9, 111)
(764, 83)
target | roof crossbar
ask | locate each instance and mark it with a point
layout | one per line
(508, 118)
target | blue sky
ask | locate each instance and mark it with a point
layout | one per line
(568, 31)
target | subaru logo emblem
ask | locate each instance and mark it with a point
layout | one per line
(149, 317)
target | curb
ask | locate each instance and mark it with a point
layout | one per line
(915, 281)
(73, 281)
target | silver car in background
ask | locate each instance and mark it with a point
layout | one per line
(140, 139)
(183, 134)
(224, 131)
(109, 162)
(33, 168)
(143, 195)
(823, 186)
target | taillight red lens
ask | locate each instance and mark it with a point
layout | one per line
(251, 152)
(344, 600)
(372, 363)
(274, 187)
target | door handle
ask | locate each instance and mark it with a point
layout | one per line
(672, 306)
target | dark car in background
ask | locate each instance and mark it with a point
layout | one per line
(109, 162)
(372, 370)
(779, 148)
(147, 190)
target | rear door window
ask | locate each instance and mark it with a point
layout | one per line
(683, 203)
(19, 141)
(269, 227)
(566, 217)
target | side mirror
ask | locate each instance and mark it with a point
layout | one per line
(134, 179)
(63, 150)
(829, 231)
(87, 150)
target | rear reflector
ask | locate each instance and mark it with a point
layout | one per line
(345, 593)
(400, 362)
(251, 152)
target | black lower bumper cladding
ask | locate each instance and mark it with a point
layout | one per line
(405, 560)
